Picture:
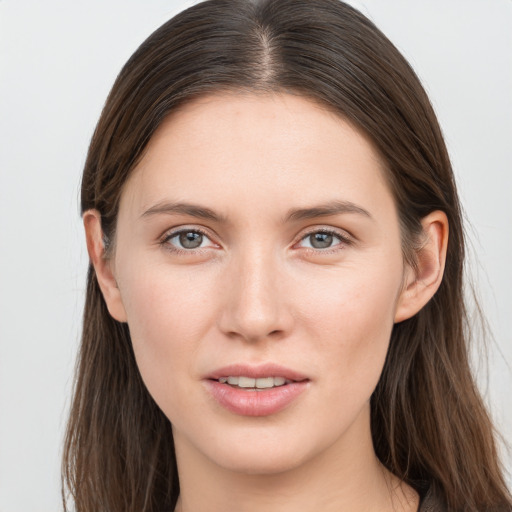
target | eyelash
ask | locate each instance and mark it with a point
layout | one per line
(177, 250)
(343, 241)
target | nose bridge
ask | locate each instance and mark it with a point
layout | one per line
(255, 307)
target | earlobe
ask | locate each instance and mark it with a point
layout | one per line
(102, 265)
(422, 282)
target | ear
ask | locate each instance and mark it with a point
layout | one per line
(102, 265)
(421, 284)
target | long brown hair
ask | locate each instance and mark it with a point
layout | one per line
(429, 424)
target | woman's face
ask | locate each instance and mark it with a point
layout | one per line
(258, 238)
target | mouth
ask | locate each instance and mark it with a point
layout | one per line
(249, 376)
(256, 390)
(254, 384)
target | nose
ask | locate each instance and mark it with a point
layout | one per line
(256, 305)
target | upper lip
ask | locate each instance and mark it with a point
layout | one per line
(256, 372)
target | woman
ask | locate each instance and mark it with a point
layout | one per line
(274, 315)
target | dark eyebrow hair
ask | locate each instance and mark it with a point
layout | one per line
(193, 210)
(202, 212)
(326, 209)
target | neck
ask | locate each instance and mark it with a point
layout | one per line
(346, 476)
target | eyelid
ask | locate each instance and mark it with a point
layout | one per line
(175, 231)
(344, 236)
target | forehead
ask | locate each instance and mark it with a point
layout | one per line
(228, 148)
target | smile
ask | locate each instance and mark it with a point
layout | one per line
(250, 383)
(261, 390)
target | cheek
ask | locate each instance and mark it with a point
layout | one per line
(168, 316)
(342, 323)
(351, 320)
(351, 300)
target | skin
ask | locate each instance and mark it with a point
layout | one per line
(256, 291)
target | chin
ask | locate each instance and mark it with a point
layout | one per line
(260, 463)
(260, 456)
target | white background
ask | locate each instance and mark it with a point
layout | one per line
(58, 61)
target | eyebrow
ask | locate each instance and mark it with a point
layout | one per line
(193, 210)
(322, 210)
(326, 210)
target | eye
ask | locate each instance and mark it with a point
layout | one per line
(188, 240)
(322, 239)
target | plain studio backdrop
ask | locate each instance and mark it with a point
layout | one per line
(58, 61)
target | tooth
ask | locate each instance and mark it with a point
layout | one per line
(245, 382)
(248, 382)
(265, 382)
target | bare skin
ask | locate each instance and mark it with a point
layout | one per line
(260, 229)
(358, 482)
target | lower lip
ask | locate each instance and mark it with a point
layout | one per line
(255, 403)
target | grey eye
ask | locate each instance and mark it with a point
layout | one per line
(190, 239)
(321, 240)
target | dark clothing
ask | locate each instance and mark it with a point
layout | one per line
(430, 502)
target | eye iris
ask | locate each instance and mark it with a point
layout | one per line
(191, 240)
(321, 240)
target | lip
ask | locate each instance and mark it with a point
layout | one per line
(256, 372)
(256, 403)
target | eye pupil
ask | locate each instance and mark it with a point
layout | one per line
(321, 240)
(191, 240)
